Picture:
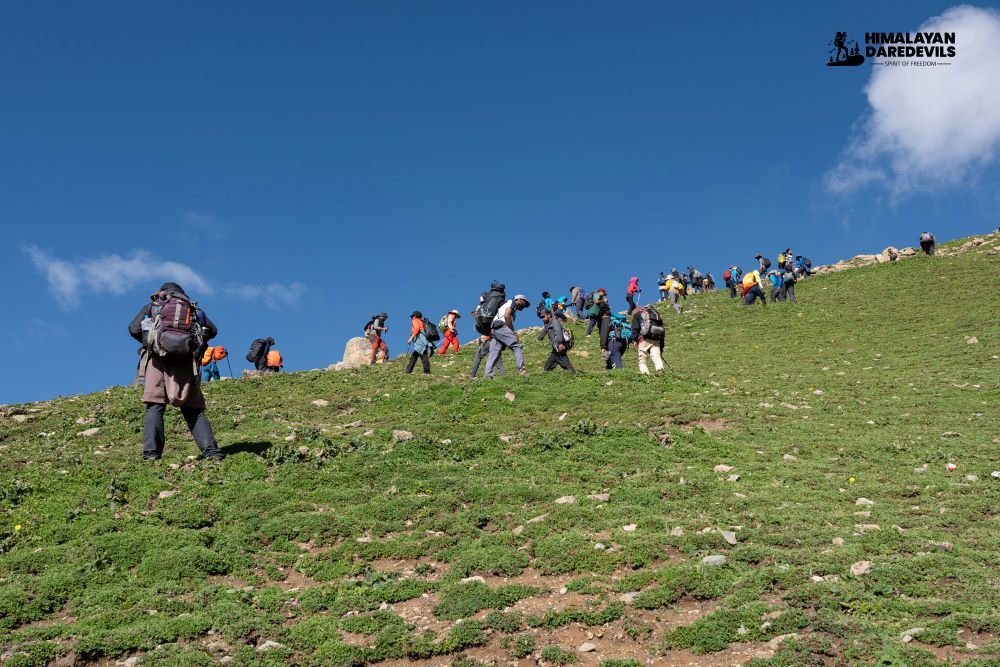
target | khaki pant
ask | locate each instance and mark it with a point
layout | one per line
(647, 349)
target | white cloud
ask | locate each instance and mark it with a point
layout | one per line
(111, 274)
(273, 295)
(196, 219)
(930, 127)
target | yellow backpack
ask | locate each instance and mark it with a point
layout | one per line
(749, 280)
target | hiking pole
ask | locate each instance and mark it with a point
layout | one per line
(228, 363)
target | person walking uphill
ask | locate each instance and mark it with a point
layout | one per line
(753, 289)
(505, 337)
(449, 329)
(422, 348)
(927, 243)
(560, 343)
(175, 341)
(633, 288)
(649, 333)
(374, 331)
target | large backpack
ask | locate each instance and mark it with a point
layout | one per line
(540, 309)
(274, 359)
(588, 301)
(765, 264)
(175, 332)
(727, 275)
(431, 332)
(568, 339)
(650, 324)
(368, 328)
(256, 350)
(206, 358)
(487, 309)
(748, 281)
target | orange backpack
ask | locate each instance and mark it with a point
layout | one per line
(207, 357)
(749, 280)
(274, 359)
(219, 353)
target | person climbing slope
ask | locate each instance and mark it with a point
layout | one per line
(449, 329)
(374, 331)
(753, 289)
(559, 340)
(422, 347)
(505, 337)
(633, 289)
(649, 333)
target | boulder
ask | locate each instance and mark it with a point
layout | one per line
(356, 354)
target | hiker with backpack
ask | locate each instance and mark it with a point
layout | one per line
(803, 267)
(763, 264)
(576, 299)
(374, 331)
(753, 289)
(483, 352)
(649, 333)
(660, 284)
(788, 280)
(544, 305)
(733, 277)
(560, 309)
(274, 361)
(600, 314)
(420, 340)
(210, 363)
(175, 341)
(561, 340)
(694, 279)
(927, 243)
(258, 353)
(774, 277)
(631, 291)
(675, 288)
(708, 282)
(619, 335)
(504, 335)
(449, 328)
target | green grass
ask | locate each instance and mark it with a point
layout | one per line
(289, 540)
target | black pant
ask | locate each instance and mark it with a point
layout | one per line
(927, 247)
(153, 437)
(425, 359)
(631, 303)
(788, 292)
(559, 359)
(753, 294)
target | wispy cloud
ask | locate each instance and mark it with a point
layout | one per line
(110, 274)
(929, 127)
(204, 225)
(276, 296)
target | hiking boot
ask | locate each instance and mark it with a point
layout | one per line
(523, 372)
(216, 457)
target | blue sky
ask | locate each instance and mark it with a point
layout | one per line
(302, 167)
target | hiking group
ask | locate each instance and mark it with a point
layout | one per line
(175, 357)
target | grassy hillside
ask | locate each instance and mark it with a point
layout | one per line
(814, 436)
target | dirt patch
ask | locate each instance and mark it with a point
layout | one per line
(313, 548)
(707, 424)
(420, 612)
(407, 567)
(963, 653)
(294, 581)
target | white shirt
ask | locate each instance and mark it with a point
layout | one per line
(501, 317)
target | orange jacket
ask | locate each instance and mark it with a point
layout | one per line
(416, 326)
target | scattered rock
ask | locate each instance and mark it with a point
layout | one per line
(587, 647)
(599, 547)
(563, 416)
(510, 396)
(866, 527)
(864, 502)
(908, 635)
(538, 519)
(861, 568)
(505, 438)
(729, 536)
(922, 468)
(676, 531)
(20, 419)
(600, 497)
(972, 340)
(518, 530)
(789, 457)
(471, 580)
(943, 546)
(402, 436)
(321, 402)
(817, 392)
(777, 641)
(566, 500)
(717, 559)
(129, 662)
(951, 434)
(269, 646)
(722, 467)
(629, 598)
(167, 494)
(629, 528)
(89, 432)
(971, 478)
(733, 478)
(364, 539)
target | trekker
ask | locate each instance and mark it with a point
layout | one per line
(777, 285)
(927, 243)
(175, 341)
(788, 280)
(763, 264)
(210, 363)
(694, 278)
(422, 348)
(660, 282)
(803, 267)
(449, 328)
(576, 298)
(633, 288)
(559, 341)
(258, 353)
(560, 309)
(648, 332)
(274, 361)
(733, 276)
(709, 282)
(753, 289)
(675, 289)
(482, 352)
(374, 331)
(504, 335)
(619, 334)
(600, 314)
(596, 302)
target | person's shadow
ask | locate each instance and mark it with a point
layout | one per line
(257, 448)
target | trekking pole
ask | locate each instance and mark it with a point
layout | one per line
(228, 363)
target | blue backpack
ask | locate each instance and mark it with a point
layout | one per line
(620, 328)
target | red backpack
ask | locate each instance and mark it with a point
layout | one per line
(727, 275)
(176, 332)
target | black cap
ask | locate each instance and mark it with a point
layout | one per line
(416, 313)
(384, 315)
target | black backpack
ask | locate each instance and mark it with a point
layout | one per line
(431, 332)
(256, 350)
(487, 310)
(540, 309)
(588, 301)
